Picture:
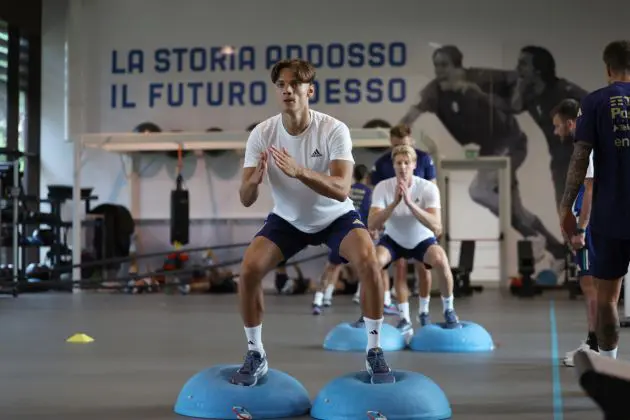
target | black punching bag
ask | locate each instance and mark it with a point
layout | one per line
(180, 209)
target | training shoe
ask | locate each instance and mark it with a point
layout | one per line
(451, 319)
(317, 310)
(254, 368)
(359, 323)
(405, 328)
(356, 298)
(377, 367)
(424, 319)
(568, 357)
(327, 303)
(390, 309)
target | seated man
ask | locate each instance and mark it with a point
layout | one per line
(408, 207)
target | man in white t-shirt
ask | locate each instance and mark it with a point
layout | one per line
(307, 157)
(408, 207)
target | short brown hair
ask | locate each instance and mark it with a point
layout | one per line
(303, 71)
(406, 150)
(617, 56)
(400, 131)
(567, 109)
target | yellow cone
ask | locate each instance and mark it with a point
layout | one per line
(80, 339)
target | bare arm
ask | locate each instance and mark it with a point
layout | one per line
(576, 175)
(428, 103)
(412, 115)
(335, 186)
(255, 167)
(431, 218)
(249, 190)
(587, 199)
(378, 216)
(517, 100)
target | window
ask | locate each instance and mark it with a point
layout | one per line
(4, 66)
(23, 88)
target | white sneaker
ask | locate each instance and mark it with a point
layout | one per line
(568, 357)
(356, 298)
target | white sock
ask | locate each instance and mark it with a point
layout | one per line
(328, 293)
(254, 339)
(388, 298)
(424, 304)
(358, 293)
(373, 331)
(608, 353)
(319, 298)
(404, 311)
(447, 303)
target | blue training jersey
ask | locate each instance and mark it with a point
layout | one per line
(603, 122)
(361, 196)
(384, 167)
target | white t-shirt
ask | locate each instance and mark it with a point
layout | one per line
(326, 139)
(402, 226)
(590, 172)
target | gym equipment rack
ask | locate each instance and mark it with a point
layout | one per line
(20, 214)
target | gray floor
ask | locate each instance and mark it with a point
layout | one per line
(147, 346)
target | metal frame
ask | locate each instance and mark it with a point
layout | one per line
(501, 164)
(14, 198)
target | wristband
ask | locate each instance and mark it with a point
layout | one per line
(580, 231)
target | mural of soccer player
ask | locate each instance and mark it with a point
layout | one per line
(535, 88)
(538, 90)
(472, 116)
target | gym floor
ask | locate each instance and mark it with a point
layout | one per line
(147, 346)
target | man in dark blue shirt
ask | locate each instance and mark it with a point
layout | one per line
(603, 127)
(384, 169)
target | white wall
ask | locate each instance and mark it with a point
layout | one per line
(489, 32)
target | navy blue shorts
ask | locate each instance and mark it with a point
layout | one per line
(336, 259)
(291, 240)
(396, 251)
(584, 256)
(610, 258)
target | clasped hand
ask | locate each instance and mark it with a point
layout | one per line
(285, 162)
(259, 173)
(402, 193)
(568, 226)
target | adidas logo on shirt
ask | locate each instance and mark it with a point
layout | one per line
(316, 154)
